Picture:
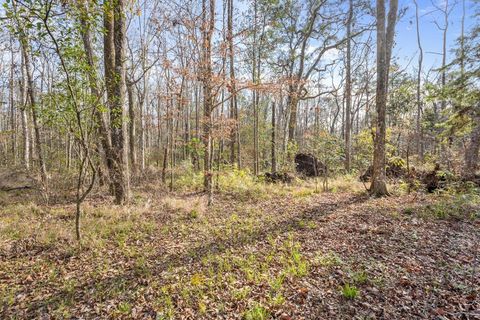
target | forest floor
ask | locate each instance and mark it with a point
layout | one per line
(282, 252)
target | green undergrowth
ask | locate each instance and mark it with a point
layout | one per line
(452, 203)
(236, 276)
(247, 187)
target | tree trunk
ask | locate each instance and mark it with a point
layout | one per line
(235, 133)
(208, 21)
(141, 115)
(30, 92)
(132, 150)
(292, 103)
(274, 156)
(103, 130)
(348, 91)
(114, 40)
(384, 49)
(255, 81)
(33, 106)
(444, 52)
(172, 145)
(471, 153)
(26, 137)
(13, 120)
(419, 135)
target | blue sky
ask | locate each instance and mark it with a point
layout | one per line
(406, 38)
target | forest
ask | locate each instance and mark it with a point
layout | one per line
(239, 159)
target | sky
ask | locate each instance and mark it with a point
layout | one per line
(406, 50)
(406, 37)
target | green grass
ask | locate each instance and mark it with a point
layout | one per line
(257, 312)
(328, 260)
(360, 277)
(350, 291)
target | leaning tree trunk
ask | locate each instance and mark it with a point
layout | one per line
(29, 87)
(33, 106)
(103, 130)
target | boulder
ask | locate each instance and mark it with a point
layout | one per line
(394, 170)
(309, 166)
(275, 177)
(16, 179)
(433, 181)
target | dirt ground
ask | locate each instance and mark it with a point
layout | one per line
(284, 254)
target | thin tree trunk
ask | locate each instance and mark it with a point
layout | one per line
(30, 91)
(348, 91)
(419, 135)
(274, 156)
(444, 52)
(13, 121)
(166, 147)
(33, 106)
(26, 138)
(141, 116)
(103, 130)
(235, 133)
(172, 146)
(208, 21)
(255, 92)
(471, 164)
(132, 150)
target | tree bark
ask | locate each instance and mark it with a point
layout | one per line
(419, 135)
(114, 41)
(13, 120)
(384, 49)
(29, 87)
(444, 52)
(208, 21)
(103, 130)
(348, 91)
(33, 106)
(255, 92)
(274, 156)
(471, 164)
(292, 102)
(132, 150)
(24, 120)
(235, 133)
